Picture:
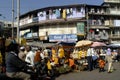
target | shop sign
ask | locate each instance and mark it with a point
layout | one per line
(63, 37)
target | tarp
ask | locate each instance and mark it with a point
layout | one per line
(41, 44)
(66, 43)
(83, 43)
(114, 45)
(98, 44)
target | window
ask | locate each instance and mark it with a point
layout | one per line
(9, 25)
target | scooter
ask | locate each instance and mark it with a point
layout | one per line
(34, 76)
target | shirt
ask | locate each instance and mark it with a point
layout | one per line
(89, 52)
(30, 57)
(108, 52)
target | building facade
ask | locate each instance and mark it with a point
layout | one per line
(59, 23)
(72, 23)
(6, 29)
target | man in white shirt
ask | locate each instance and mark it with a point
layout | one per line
(89, 59)
(30, 55)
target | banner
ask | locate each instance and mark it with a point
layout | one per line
(80, 28)
(63, 37)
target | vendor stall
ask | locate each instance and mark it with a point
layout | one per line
(60, 55)
(80, 52)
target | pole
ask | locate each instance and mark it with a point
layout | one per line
(18, 14)
(87, 17)
(12, 18)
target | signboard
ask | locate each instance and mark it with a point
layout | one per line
(35, 19)
(63, 37)
(80, 28)
(28, 35)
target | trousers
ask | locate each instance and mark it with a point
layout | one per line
(20, 75)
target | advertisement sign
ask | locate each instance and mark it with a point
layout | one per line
(63, 37)
(80, 28)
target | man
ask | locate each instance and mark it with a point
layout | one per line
(109, 60)
(89, 59)
(14, 65)
(30, 55)
(22, 54)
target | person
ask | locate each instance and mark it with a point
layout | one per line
(61, 55)
(22, 54)
(114, 55)
(54, 55)
(118, 55)
(101, 63)
(37, 57)
(14, 65)
(109, 60)
(71, 62)
(30, 55)
(45, 52)
(89, 59)
(94, 58)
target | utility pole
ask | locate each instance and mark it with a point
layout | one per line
(18, 15)
(12, 18)
(87, 17)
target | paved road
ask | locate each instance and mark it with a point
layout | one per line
(93, 75)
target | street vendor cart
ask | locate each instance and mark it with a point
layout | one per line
(80, 54)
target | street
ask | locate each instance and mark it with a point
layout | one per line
(93, 75)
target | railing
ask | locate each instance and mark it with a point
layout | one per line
(115, 36)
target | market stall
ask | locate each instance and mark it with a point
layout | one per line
(80, 52)
(60, 54)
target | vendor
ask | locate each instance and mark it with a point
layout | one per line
(61, 55)
(61, 52)
(54, 55)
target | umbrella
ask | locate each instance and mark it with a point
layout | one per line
(98, 44)
(83, 43)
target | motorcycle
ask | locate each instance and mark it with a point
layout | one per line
(37, 73)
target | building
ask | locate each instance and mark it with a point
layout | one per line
(6, 29)
(97, 22)
(53, 24)
(114, 19)
(73, 22)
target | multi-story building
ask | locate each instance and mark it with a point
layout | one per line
(58, 23)
(6, 28)
(114, 19)
(97, 23)
(73, 23)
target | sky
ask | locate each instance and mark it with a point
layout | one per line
(30, 5)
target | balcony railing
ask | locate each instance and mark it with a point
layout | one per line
(115, 36)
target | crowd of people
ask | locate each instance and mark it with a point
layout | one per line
(97, 57)
(20, 58)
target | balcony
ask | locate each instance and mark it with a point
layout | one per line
(115, 36)
(98, 27)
